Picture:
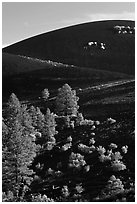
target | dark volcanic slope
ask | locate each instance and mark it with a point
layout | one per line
(28, 76)
(67, 46)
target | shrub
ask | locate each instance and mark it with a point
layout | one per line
(79, 119)
(65, 191)
(101, 150)
(118, 165)
(124, 149)
(76, 161)
(113, 146)
(41, 198)
(113, 186)
(84, 148)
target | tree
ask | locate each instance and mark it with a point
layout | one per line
(17, 156)
(37, 117)
(45, 94)
(49, 130)
(66, 101)
(19, 148)
(13, 108)
(4, 133)
(79, 119)
(114, 186)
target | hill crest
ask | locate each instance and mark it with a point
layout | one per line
(66, 45)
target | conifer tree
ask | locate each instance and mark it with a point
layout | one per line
(4, 133)
(13, 108)
(66, 101)
(19, 149)
(17, 156)
(49, 130)
(45, 94)
(50, 123)
(113, 186)
(37, 118)
(79, 119)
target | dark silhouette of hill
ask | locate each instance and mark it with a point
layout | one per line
(23, 75)
(68, 45)
(15, 64)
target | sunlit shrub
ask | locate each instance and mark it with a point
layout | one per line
(101, 150)
(111, 120)
(113, 146)
(124, 149)
(76, 161)
(103, 158)
(87, 168)
(66, 146)
(79, 119)
(69, 139)
(92, 141)
(84, 148)
(8, 197)
(41, 198)
(97, 122)
(65, 191)
(116, 156)
(79, 188)
(114, 186)
(118, 165)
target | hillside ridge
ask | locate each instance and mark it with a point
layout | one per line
(67, 45)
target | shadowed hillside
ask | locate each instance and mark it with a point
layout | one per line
(69, 45)
(29, 76)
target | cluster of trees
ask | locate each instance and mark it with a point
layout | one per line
(25, 133)
(39, 155)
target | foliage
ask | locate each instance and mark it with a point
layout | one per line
(118, 165)
(66, 101)
(41, 198)
(76, 161)
(19, 150)
(101, 150)
(125, 149)
(73, 164)
(4, 134)
(85, 148)
(37, 118)
(65, 191)
(114, 186)
(66, 146)
(8, 197)
(13, 109)
(45, 94)
(113, 146)
(79, 119)
(48, 132)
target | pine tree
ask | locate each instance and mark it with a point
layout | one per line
(37, 117)
(19, 148)
(45, 94)
(17, 156)
(79, 119)
(13, 108)
(4, 133)
(26, 120)
(49, 130)
(50, 123)
(66, 101)
(113, 186)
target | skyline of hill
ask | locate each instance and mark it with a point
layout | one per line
(70, 46)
